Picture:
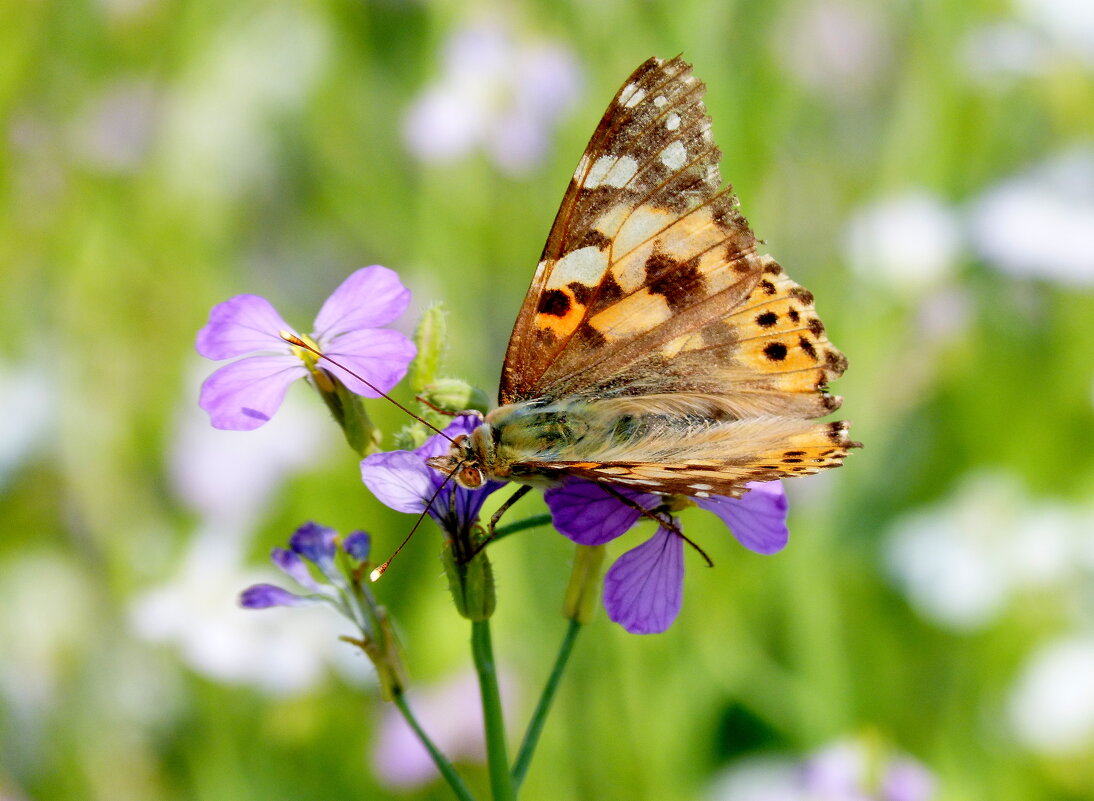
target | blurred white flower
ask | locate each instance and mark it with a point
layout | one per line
(766, 778)
(1040, 224)
(1000, 51)
(497, 91)
(832, 47)
(219, 121)
(281, 652)
(113, 132)
(960, 560)
(229, 477)
(30, 399)
(1068, 23)
(846, 770)
(1051, 706)
(451, 713)
(909, 241)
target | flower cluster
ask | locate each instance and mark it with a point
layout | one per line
(341, 565)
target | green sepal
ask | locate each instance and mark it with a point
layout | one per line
(431, 339)
(454, 395)
(471, 584)
(583, 589)
(348, 410)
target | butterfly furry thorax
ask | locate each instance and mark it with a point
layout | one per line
(655, 348)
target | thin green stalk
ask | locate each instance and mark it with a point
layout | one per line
(539, 717)
(520, 525)
(443, 765)
(497, 754)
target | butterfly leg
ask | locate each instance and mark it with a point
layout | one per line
(666, 521)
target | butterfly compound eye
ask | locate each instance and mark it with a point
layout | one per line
(470, 477)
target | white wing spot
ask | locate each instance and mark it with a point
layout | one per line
(611, 171)
(585, 265)
(702, 495)
(660, 101)
(674, 156)
(672, 122)
(631, 95)
(701, 486)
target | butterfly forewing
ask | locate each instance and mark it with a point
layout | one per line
(650, 303)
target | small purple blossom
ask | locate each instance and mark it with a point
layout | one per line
(309, 543)
(246, 393)
(402, 481)
(317, 544)
(357, 545)
(643, 590)
(848, 771)
(263, 596)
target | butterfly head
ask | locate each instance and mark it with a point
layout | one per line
(464, 460)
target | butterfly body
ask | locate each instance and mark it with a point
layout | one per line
(656, 348)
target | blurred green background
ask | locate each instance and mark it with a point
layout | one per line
(926, 168)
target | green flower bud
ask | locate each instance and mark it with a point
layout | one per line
(471, 583)
(431, 339)
(455, 395)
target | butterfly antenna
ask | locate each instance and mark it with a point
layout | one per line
(293, 339)
(379, 571)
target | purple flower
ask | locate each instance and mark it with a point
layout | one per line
(246, 393)
(500, 92)
(643, 590)
(402, 481)
(309, 543)
(357, 545)
(263, 596)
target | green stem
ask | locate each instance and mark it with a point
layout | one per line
(497, 754)
(443, 765)
(520, 525)
(539, 717)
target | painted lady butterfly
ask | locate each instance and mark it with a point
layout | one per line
(655, 348)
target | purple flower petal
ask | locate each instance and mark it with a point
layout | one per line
(263, 596)
(757, 519)
(243, 395)
(400, 480)
(644, 589)
(357, 545)
(293, 566)
(378, 355)
(907, 780)
(589, 514)
(240, 325)
(316, 543)
(368, 298)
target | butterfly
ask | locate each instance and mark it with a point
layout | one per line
(656, 349)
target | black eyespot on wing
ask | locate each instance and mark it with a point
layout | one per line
(775, 351)
(554, 302)
(767, 319)
(807, 346)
